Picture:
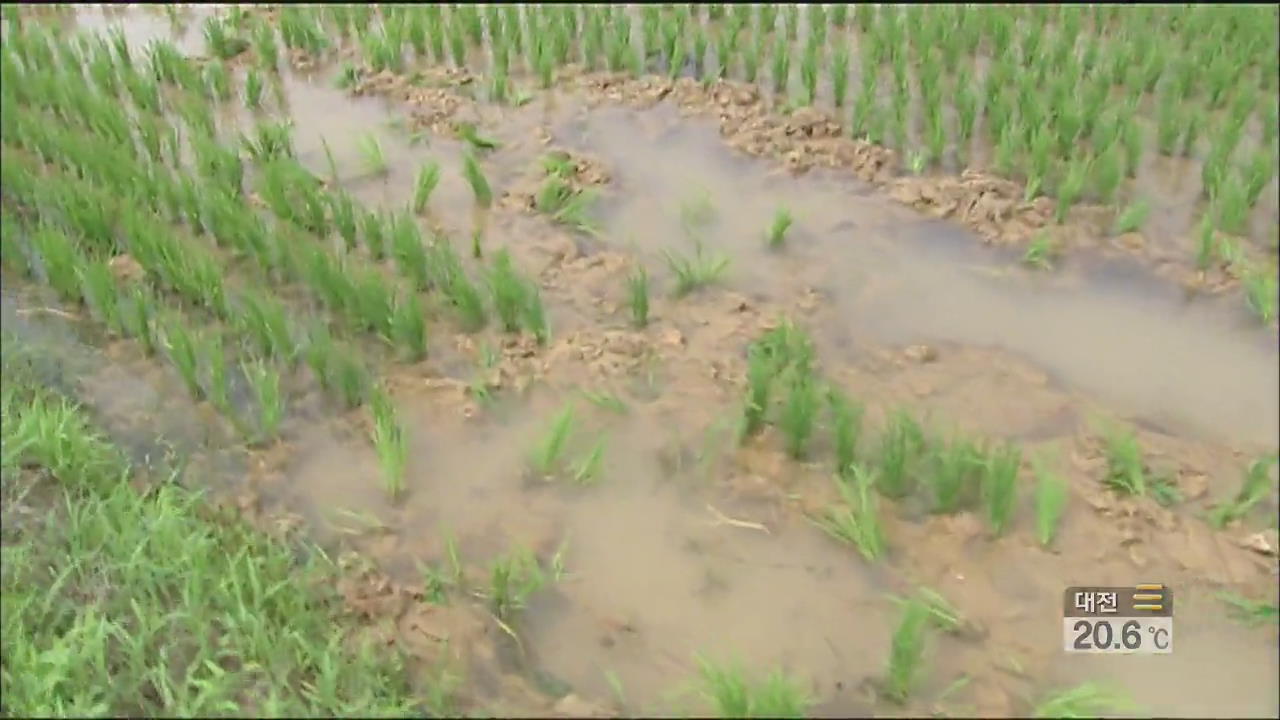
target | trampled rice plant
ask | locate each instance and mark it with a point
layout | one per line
(778, 229)
(906, 650)
(1250, 612)
(697, 271)
(1089, 700)
(798, 416)
(900, 443)
(475, 178)
(1261, 294)
(547, 453)
(638, 296)
(954, 471)
(732, 695)
(428, 179)
(181, 349)
(856, 520)
(1050, 502)
(389, 442)
(1256, 487)
(999, 485)
(264, 382)
(1133, 217)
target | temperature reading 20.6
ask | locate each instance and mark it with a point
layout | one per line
(1134, 619)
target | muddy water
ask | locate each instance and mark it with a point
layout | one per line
(892, 277)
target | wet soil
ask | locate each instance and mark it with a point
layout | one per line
(692, 544)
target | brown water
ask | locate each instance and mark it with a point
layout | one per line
(655, 573)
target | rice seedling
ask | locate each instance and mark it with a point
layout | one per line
(587, 470)
(1232, 205)
(138, 318)
(697, 212)
(901, 441)
(1041, 252)
(1071, 187)
(638, 296)
(856, 520)
(1261, 294)
(1250, 612)
(409, 327)
(98, 288)
(799, 412)
(389, 442)
(547, 453)
(732, 695)
(953, 474)
(846, 423)
(1050, 502)
(778, 229)
(1256, 487)
(513, 579)
(373, 228)
(1133, 217)
(467, 131)
(1088, 700)
(781, 65)
(264, 382)
(840, 74)
(761, 369)
(999, 485)
(696, 271)
(214, 360)
(428, 179)
(906, 651)
(475, 177)
(181, 349)
(508, 290)
(566, 205)
(942, 614)
(375, 160)
(348, 376)
(1126, 470)
(252, 89)
(1206, 244)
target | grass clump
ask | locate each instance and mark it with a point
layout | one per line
(856, 521)
(1256, 487)
(696, 271)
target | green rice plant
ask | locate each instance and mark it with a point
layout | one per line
(566, 205)
(809, 71)
(214, 360)
(467, 300)
(1260, 292)
(799, 412)
(1256, 487)
(751, 57)
(270, 141)
(1000, 485)
(408, 251)
(1250, 612)
(373, 227)
(1071, 187)
(99, 290)
(734, 696)
(252, 89)
(696, 271)
(349, 377)
(761, 370)
(475, 177)
(375, 160)
(1230, 200)
(901, 441)
(409, 327)
(778, 229)
(638, 296)
(781, 65)
(1126, 470)
(264, 382)
(697, 212)
(428, 179)
(138, 318)
(218, 81)
(1133, 217)
(846, 428)
(1088, 700)
(59, 261)
(181, 349)
(1041, 252)
(513, 579)
(389, 442)
(1205, 242)
(606, 400)
(953, 474)
(534, 313)
(220, 38)
(906, 650)
(587, 470)
(1257, 175)
(265, 322)
(856, 521)
(265, 47)
(1050, 501)
(547, 453)
(508, 290)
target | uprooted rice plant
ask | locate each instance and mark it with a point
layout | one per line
(299, 340)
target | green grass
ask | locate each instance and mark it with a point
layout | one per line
(694, 272)
(1050, 502)
(900, 445)
(476, 179)
(846, 429)
(1250, 612)
(513, 579)
(799, 412)
(389, 441)
(954, 470)
(1000, 485)
(428, 179)
(108, 604)
(264, 383)
(1041, 253)
(733, 695)
(638, 296)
